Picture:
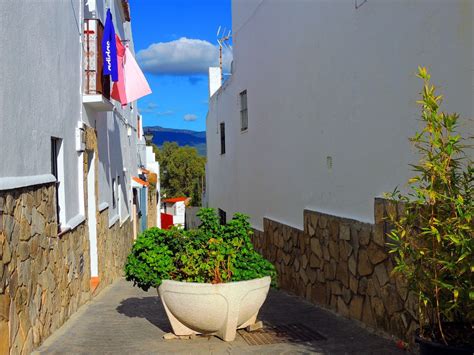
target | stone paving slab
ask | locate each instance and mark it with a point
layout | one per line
(126, 320)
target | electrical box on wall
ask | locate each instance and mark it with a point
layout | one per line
(80, 137)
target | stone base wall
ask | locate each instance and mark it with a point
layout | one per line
(113, 246)
(114, 243)
(342, 264)
(44, 278)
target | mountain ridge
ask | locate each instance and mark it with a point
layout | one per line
(182, 137)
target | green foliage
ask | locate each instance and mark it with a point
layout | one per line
(213, 253)
(433, 239)
(151, 259)
(182, 171)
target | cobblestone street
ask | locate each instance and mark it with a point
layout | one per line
(125, 320)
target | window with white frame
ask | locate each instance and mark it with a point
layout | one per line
(244, 117)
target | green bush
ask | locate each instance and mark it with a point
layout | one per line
(433, 239)
(213, 253)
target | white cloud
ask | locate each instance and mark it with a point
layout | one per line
(149, 108)
(165, 113)
(190, 117)
(184, 56)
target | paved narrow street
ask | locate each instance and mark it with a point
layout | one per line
(125, 320)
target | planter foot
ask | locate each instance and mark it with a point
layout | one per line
(253, 327)
(171, 336)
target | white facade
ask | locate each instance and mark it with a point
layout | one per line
(179, 213)
(117, 131)
(38, 64)
(331, 94)
(42, 79)
(177, 209)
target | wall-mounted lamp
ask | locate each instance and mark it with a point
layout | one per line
(148, 136)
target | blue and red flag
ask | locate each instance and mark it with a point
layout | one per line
(109, 48)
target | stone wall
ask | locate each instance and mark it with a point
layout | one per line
(342, 264)
(113, 246)
(44, 278)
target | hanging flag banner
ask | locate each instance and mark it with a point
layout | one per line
(136, 85)
(109, 48)
(118, 90)
(131, 84)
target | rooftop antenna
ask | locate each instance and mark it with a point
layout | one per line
(222, 40)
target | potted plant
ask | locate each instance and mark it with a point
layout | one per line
(210, 280)
(432, 238)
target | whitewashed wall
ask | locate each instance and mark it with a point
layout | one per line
(327, 80)
(40, 61)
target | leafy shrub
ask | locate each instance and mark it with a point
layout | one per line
(433, 240)
(213, 253)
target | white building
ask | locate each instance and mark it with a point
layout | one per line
(329, 91)
(175, 207)
(313, 125)
(69, 154)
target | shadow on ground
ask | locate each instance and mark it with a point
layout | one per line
(273, 313)
(149, 308)
(290, 323)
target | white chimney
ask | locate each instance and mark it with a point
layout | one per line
(215, 80)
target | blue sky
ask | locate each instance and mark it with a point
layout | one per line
(175, 41)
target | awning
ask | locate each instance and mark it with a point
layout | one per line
(140, 182)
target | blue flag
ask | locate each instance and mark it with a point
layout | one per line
(109, 48)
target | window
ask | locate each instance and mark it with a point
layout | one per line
(222, 217)
(113, 194)
(118, 197)
(138, 127)
(57, 170)
(222, 137)
(244, 118)
(95, 82)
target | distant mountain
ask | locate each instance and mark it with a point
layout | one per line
(183, 137)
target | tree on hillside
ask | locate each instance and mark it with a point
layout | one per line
(182, 171)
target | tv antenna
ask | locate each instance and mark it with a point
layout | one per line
(223, 40)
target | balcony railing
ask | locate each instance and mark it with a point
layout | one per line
(96, 85)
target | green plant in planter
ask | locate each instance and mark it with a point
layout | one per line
(433, 238)
(213, 253)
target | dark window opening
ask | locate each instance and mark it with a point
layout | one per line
(113, 193)
(55, 147)
(222, 217)
(222, 126)
(244, 118)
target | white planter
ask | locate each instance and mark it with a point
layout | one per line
(220, 309)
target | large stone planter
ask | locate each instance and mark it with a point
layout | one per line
(220, 309)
